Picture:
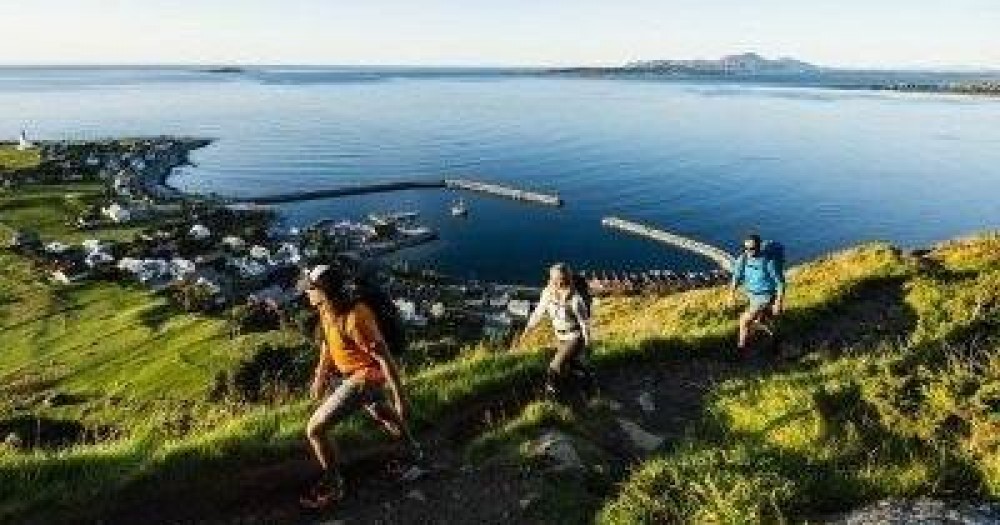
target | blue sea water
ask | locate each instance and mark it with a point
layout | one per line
(818, 168)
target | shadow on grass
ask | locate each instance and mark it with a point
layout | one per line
(872, 312)
(158, 315)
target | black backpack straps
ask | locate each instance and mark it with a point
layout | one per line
(584, 310)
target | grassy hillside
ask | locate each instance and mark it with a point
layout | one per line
(48, 209)
(890, 386)
(903, 410)
(11, 159)
(112, 351)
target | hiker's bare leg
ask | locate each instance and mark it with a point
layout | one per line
(763, 320)
(566, 351)
(344, 400)
(389, 419)
(559, 374)
(749, 322)
(746, 327)
(386, 417)
(323, 447)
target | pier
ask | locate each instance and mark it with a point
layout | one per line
(381, 187)
(717, 255)
(503, 191)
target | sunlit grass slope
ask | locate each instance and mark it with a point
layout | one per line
(900, 416)
(12, 159)
(115, 349)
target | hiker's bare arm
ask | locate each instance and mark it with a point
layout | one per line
(539, 312)
(534, 318)
(779, 279)
(391, 372)
(779, 302)
(322, 373)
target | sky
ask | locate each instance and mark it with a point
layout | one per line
(861, 33)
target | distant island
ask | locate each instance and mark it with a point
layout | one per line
(752, 67)
(744, 63)
(225, 69)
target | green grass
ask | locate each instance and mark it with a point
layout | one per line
(916, 416)
(102, 341)
(49, 209)
(13, 160)
(910, 406)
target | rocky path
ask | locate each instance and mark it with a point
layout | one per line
(651, 405)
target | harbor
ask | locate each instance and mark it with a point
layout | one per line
(720, 257)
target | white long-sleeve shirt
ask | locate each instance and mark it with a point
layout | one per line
(570, 318)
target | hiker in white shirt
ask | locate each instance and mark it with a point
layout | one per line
(568, 308)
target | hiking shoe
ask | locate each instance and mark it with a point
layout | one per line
(326, 492)
(405, 471)
(412, 473)
(551, 391)
(416, 453)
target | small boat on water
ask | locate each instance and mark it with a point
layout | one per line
(459, 208)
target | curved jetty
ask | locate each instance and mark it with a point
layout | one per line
(380, 187)
(719, 256)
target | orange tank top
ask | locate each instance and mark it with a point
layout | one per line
(350, 339)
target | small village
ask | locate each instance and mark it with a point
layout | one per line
(214, 256)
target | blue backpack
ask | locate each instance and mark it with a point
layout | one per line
(770, 251)
(774, 251)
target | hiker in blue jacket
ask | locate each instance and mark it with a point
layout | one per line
(760, 269)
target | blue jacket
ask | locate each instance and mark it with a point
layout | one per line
(758, 275)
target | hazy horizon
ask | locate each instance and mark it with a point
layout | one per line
(943, 68)
(894, 34)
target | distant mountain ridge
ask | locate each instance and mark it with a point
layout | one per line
(752, 67)
(743, 63)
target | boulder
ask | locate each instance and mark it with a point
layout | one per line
(646, 403)
(643, 440)
(558, 447)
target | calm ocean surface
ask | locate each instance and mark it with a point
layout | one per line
(819, 169)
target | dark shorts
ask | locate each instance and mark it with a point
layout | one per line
(348, 396)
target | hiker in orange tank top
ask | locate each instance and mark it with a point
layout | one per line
(355, 366)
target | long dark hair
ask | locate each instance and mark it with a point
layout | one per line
(332, 283)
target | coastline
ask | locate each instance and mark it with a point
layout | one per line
(158, 177)
(845, 80)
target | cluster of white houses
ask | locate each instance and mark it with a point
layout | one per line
(231, 270)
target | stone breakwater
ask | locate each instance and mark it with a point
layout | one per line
(496, 190)
(717, 255)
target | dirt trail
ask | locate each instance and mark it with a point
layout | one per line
(452, 492)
